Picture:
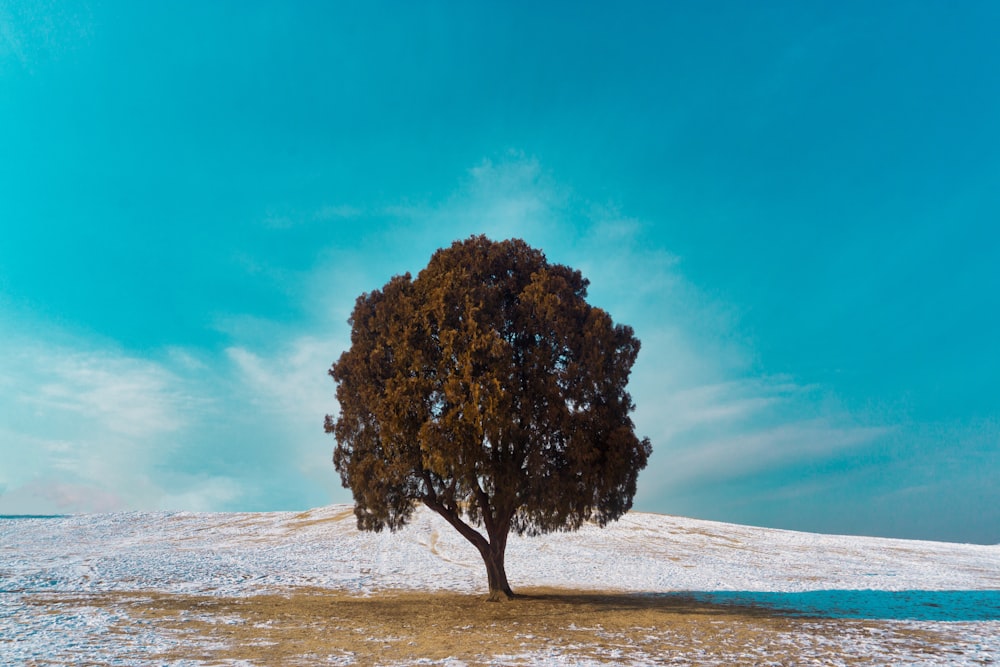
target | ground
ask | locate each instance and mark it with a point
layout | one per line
(306, 589)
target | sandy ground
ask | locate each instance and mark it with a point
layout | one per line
(547, 626)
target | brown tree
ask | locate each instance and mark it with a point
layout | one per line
(491, 391)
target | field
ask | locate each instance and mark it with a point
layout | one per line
(304, 589)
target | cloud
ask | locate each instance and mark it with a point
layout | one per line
(512, 196)
(205, 495)
(720, 404)
(709, 435)
(92, 427)
(290, 390)
(85, 428)
(293, 381)
(54, 496)
(712, 414)
(130, 397)
(504, 197)
(278, 371)
(738, 453)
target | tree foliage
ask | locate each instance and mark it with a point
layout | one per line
(490, 390)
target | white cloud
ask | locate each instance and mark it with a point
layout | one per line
(94, 428)
(706, 435)
(291, 390)
(509, 197)
(741, 453)
(53, 495)
(84, 427)
(717, 404)
(711, 414)
(293, 381)
(204, 494)
(130, 397)
(87, 428)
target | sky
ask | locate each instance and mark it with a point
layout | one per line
(794, 204)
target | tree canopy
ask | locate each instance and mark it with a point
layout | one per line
(490, 390)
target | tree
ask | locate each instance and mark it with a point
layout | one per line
(491, 391)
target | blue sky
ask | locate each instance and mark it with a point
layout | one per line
(795, 205)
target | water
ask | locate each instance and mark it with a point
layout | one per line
(912, 605)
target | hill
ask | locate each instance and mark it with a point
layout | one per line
(66, 580)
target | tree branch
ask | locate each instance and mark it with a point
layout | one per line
(467, 531)
(484, 505)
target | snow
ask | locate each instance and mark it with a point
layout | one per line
(950, 588)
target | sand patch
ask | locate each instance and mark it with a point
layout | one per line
(313, 518)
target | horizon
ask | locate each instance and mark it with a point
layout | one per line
(793, 206)
(420, 507)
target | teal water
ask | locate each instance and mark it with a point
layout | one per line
(916, 605)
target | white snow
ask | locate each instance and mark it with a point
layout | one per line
(938, 586)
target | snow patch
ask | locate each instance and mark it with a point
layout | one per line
(926, 584)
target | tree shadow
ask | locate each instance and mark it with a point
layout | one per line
(911, 605)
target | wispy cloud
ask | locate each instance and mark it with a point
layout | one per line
(132, 397)
(290, 388)
(712, 415)
(722, 404)
(293, 381)
(780, 446)
(708, 435)
(511, 195)
(80, 420)
(205, 493)
(96, 428)
(88, 428)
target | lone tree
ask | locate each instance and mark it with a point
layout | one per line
(491, 391)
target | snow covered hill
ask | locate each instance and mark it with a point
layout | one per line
(249, 554)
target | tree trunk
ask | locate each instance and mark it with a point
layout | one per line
(492, 550)
(496, 574)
